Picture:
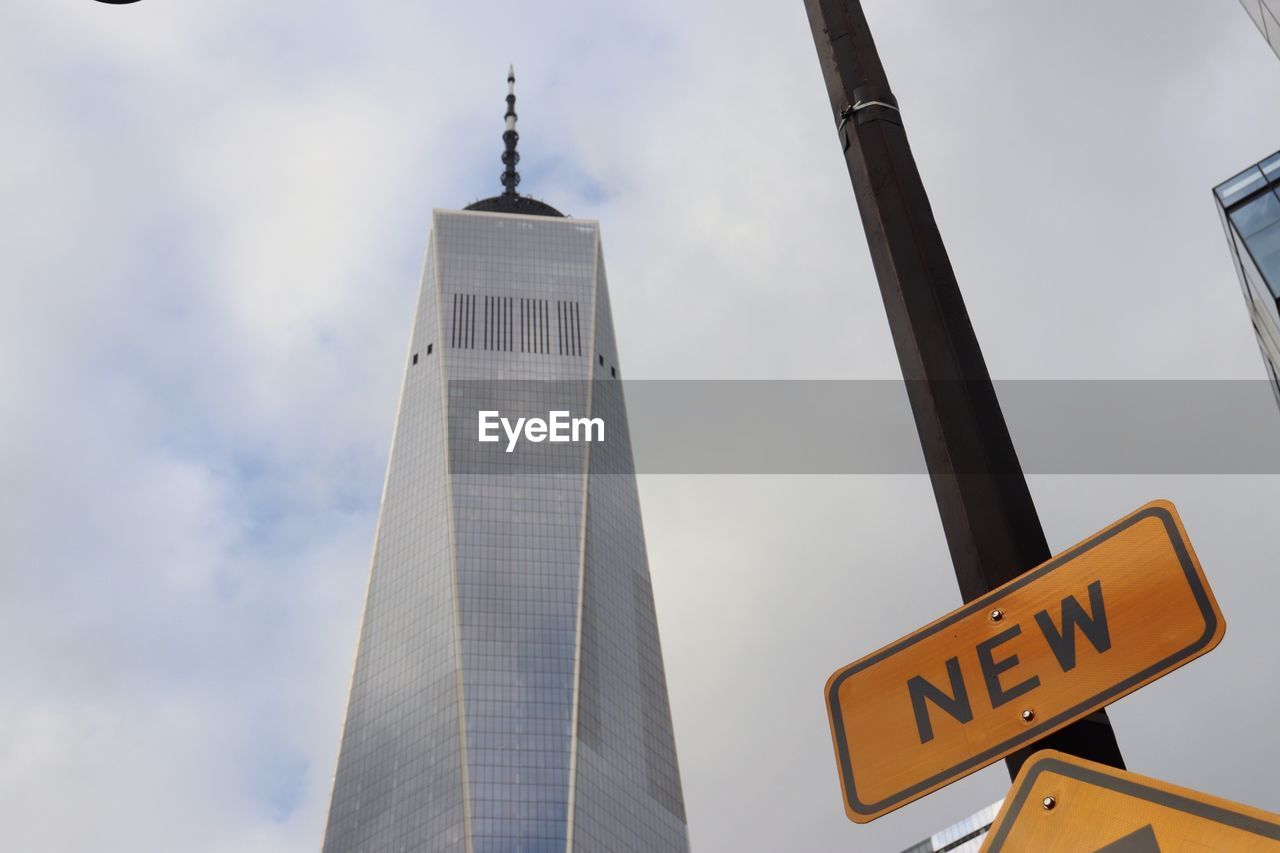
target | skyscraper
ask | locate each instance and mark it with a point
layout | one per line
(1249, 205)
(508, 692)
(964, 836)
(1266, 16)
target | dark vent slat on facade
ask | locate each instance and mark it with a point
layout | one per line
(568, 328)
(463, 330)
(498, 316)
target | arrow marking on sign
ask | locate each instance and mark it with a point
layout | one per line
(1139, 841)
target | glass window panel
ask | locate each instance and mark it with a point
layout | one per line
(1241, 185)
(1254, 8)
(1264, 246)
(1271, 166)
(1271, 21)
(1256, 215)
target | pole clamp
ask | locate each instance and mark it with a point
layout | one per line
(846, 114)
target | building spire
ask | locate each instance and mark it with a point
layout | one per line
(510, 177)
(511, 201)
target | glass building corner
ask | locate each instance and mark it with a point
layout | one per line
(1249, 206)
(1266, 17)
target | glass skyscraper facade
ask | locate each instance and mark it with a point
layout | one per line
(1266, 16)
(1249, 204)
(966, 836)
(508, 693)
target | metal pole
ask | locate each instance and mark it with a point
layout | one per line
(990, 521)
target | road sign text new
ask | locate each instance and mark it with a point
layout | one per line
(1090, 625)
(1060, 638)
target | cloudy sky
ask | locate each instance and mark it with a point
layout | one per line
(211, 221)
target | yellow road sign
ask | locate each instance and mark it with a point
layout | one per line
(1092, 624)
(1060, 802)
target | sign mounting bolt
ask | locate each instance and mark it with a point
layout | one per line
(996, 615)
(1048, 803)
(1028, 715)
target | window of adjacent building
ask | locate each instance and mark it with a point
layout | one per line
(1251, 218)
(1258, 222)
(1254, 8)
(1256, 290)
(1265, 248)
(1271, 26)
(1248, 181)
(1271, 167)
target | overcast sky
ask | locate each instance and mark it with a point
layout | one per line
(212, 217)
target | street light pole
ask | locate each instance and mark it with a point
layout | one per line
(990, 520)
